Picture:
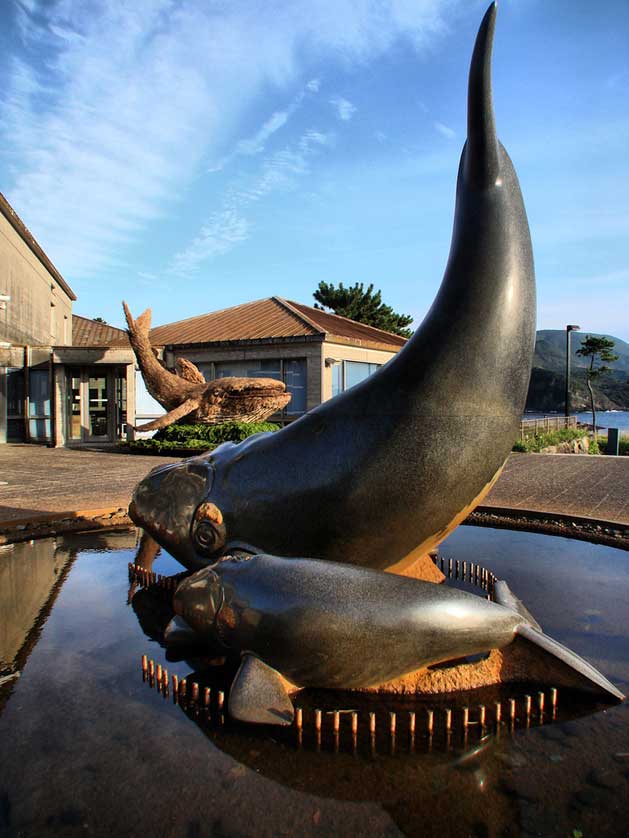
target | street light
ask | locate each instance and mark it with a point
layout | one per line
(569, 330)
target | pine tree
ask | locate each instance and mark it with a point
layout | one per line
(362, 305)
(596, 349)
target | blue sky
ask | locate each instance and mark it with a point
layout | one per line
(191, 156)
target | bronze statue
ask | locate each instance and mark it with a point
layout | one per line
(381, 473)
(188, 397)
(305, 623)
(375, 477)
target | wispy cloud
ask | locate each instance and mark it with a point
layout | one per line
(220, 234)
(344, 108)
(229, 226)
(109, 109)
(257, 143)
(444, 130)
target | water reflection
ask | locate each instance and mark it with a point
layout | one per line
(31, 575)
(88, 746)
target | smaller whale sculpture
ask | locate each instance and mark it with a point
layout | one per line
(188, 397)
(312, 623)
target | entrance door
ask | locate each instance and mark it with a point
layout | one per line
(92, 406)
(98, 417)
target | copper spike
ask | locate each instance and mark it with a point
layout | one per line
(430, 720)
(411, 723)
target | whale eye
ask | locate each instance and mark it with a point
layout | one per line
(208, 529)
(206, 537)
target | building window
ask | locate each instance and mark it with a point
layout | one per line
(348, 373)
(291, 371)
(295, 380)
(39, 415)
(15, 405)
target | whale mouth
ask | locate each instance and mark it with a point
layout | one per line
(164, 502)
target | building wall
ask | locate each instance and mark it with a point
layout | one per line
(40, 311)
(342, 352)
(310, 350)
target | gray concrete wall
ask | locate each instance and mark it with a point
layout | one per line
(40, 311)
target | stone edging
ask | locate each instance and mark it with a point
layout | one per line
(550, 523)
(58, 523)
(609, 533)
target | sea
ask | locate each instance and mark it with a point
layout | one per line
(604, 419)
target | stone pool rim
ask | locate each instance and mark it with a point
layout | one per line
(579, 527)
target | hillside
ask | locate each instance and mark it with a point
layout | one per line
(547, 387)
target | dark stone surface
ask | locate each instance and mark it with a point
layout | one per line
(391, 465)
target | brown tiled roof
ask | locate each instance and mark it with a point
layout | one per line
(29, 239)
(343, 327)
(86, 332)
(272, 318)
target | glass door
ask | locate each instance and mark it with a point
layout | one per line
(73, 386)
(97, 424)
(90, 413)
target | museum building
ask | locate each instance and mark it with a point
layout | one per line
(315, 353)
(68, 380)
(64, 379)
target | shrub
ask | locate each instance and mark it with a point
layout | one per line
(183, 440)
(533, 444)
(214, 434)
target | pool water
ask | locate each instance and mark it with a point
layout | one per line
(89, 747)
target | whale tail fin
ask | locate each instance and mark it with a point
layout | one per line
(549, 659)
(482, 161)
(503, 595)
(560, 665)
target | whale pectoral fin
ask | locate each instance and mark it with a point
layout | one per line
(563, 666)
(258, 694)
(168, 418)
(503, 595)
(179, 633)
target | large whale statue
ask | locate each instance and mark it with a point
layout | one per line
(380, 474)
(308, 623)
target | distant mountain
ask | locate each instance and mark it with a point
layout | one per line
(547, 387)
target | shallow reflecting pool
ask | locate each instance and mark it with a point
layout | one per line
(88, 747)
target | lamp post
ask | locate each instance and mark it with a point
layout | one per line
(569, 330)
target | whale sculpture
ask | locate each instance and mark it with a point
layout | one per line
(308, 623)
(380, 474)
(188, 397)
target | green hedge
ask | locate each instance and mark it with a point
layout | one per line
(533, 444)
(186, 440)
(214, 434)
